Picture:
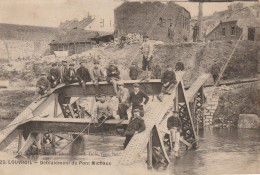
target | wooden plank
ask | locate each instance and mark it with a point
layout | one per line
(75, 90)
(20, 140)
(150, 152)
(139, 141)
(191, 92)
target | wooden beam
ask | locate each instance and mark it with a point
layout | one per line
(55, 107)
(29, 141)
(9, 139)
(20, 140)
(152, 87)
(150, 152)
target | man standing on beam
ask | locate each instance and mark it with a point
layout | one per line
(147, 51)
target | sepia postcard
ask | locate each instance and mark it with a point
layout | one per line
(129, 87)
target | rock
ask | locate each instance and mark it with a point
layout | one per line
(250, 121)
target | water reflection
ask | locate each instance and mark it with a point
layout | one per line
(221, 151)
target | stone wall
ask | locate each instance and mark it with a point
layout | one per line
(212, 97)
(23, 49)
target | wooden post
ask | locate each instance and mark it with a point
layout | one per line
(75, 48)
(20, 139)
(202, 108)
(55, 107)
(200, 15)
(150, 152)
(176, 108)
(53, 139)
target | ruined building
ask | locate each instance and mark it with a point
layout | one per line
(152, 18)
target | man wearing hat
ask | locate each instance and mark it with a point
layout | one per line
(70, 75)
(135, 126)
(147, 51)
(136, 98)
(113, 74)
(168, 82)
(42, 85)
(134, 71)
(64, 68)
(83, 75)
(174, 124)
(54, 75)
(123, 97)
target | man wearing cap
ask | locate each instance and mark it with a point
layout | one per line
(113, 74)
(64, 68)
(135, 126)
(136, 98)
(134, 71)
(168, 81)
(96, 73)
(83, 75)
(70, 75)
(179, 66)
(147, 51)
(174, 124)
(42, 85)
(123, 97)
(102, 109)
(54, 76)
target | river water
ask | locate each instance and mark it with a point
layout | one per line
(221, 151)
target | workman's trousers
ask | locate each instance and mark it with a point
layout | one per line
(215, 77)
(175, 134)
(127, 140)
(168, 88)
(122, 111)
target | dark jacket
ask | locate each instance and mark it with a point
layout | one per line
(136, 124)
(83, 74)
(55, 72)
(137, 99)
(174, 122)
(69, 76)
(168, 76)
(43, 84)
(179, 66)
(112, 71)
(133, 74)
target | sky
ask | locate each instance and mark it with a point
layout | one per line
(51, 12)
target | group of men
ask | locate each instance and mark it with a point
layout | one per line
(67, 74)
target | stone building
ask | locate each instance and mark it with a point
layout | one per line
(225, 31)
(74, 41)
(246, 20)
(152, 18)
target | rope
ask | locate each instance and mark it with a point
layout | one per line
(225, 65)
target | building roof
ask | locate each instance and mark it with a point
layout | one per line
(75, 24)
(218, 26)
(75, 36)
